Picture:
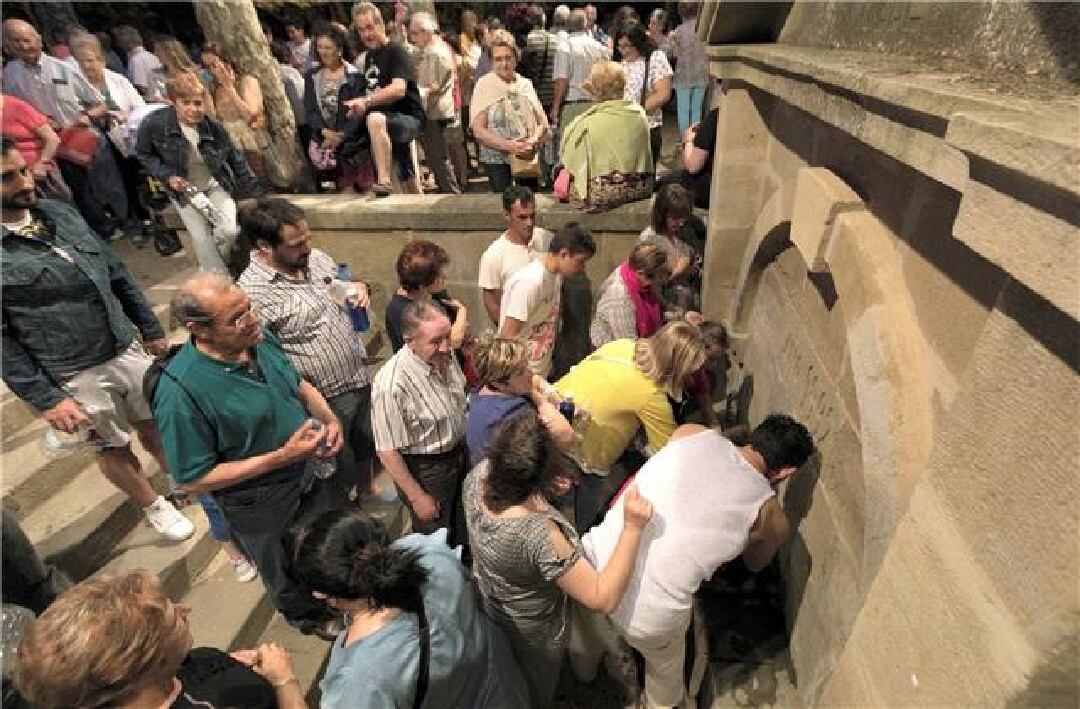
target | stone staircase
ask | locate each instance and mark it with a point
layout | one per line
(79, 521)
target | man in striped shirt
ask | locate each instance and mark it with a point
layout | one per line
(287, 281)
(418, 419)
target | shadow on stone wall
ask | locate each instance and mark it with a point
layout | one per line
(1060, 25)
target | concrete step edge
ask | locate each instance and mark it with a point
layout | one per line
(31, 477)
(176, 564)
(227, 614)
(78, 527)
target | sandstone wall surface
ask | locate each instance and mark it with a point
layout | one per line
(909, 291)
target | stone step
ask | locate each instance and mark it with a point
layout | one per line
(78, 525)
(177, 564)
(32, 476)
(15, 414)
(309, 654)
(228, 614)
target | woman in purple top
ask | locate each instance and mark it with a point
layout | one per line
(508, 387)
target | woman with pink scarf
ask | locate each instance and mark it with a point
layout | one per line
(629, 305)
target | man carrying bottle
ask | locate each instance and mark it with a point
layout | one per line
(290, 283)
(71, 313)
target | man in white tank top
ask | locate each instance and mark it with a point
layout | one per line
(712, 501)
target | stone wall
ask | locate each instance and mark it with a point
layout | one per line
(895, 252)
(1013, 42)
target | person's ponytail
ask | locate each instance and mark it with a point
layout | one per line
(348, 555)
(389, 578)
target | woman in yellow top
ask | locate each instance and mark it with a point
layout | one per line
(624, 386)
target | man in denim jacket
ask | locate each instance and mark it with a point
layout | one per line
(71, 313)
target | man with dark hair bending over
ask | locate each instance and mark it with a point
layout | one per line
(717, 501)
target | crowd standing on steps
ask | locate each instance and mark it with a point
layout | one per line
(556, 520)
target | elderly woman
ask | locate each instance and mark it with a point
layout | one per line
(404, 600)
(507, 119)
(421, 269)
(610, 136)
(322, 86)
(648, 78)
(122, 98)
(624, 386)
(507, 388)
(118, 641)
(629, 304)
(527, 558)
(239, 103)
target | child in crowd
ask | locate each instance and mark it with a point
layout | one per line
(191, 154)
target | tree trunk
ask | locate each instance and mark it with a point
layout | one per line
(235, 26)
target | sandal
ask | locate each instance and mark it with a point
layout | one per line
(382, 189)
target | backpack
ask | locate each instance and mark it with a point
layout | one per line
(158, 369)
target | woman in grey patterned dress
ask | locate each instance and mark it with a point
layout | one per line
(527, 558)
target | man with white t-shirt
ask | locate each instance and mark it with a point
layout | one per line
(712, 501)
(514, 248)
(529, 309)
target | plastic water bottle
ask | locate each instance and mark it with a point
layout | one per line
(202, 204)
(357, 315)
(567, 408)
(57, 444)
(321, 468)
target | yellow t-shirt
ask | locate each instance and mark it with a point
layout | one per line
(618, 398)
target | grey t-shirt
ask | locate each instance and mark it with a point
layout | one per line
(516, 566)
(198, 172)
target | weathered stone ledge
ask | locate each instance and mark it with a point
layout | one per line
(467, 212)
(1014, 161)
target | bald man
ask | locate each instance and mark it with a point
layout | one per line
(62, 93)
(234, 417)
(435, 81)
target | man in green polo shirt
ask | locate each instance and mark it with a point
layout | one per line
(233, 413)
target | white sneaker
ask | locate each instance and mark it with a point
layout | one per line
(245, 571)
(167, 521)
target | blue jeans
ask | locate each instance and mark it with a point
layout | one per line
(689, 100)
(259, 513)
(219, 526)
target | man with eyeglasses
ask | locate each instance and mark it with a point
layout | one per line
(235, 419)
(73, 317)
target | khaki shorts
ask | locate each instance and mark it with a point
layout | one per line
(111, 395)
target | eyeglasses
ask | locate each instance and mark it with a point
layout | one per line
(248, 317)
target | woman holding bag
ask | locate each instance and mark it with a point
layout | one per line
(507, 119)
(121, 98)
(322, 86)
(648, 78)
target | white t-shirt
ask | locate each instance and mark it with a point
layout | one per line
(503, 258)
(705, 499)
(141, 66)
(532, 296)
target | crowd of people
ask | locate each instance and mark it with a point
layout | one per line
(498, 96)
(554, 516)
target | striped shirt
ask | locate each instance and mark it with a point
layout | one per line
(314, 331)
(615, 318)
(52, 87)
(414, 410)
